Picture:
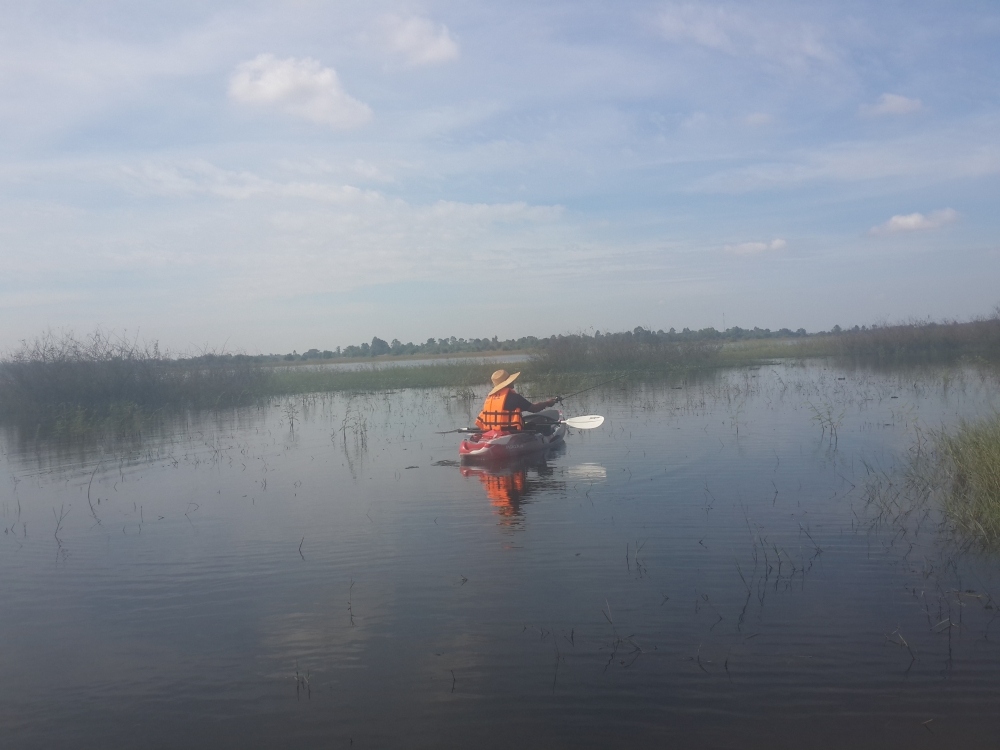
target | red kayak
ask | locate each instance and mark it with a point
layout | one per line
(542, 431)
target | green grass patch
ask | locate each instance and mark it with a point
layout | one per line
(758, 351)
(971, 460)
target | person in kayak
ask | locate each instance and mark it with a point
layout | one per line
(503, 407)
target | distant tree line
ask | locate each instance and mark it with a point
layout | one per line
(379, 347)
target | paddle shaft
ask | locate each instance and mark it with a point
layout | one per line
(581, 423)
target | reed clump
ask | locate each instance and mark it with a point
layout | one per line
(639, 350)
(70, 384)
(970, 459)
(918, 342)
(907, 343)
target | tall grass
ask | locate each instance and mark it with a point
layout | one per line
(971, 460)
(919, 342)
(69, 383)
(634, 351)
(911, 343)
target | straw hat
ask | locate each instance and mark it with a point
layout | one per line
(501, 379)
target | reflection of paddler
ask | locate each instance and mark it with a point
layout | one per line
(504, 490)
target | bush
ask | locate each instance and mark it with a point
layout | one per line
(638, 350)
(65, 380)
(917, 342)
(971, 458)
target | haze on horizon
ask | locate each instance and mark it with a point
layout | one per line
(270, 177)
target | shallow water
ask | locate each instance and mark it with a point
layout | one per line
(713, 566)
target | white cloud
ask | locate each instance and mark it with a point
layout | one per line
(303, 88)
(73, 69)
(44, 298)
(738, 34)
(704, 26)
(695, 121)
(758, 119)
(419, 41)
(756, 248)
(198, 177)
(916, 222)
(284, 238)
(966, 148)
(345, 168)
(892, 104)
(369, 172)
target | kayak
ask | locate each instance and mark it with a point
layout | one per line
(542, 431)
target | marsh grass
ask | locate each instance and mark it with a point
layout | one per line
(68, 385)
(915, 342)
(638, 351)
(648, 353)
(970, 460)
(953, 476)
(113, 384)
(921, 342)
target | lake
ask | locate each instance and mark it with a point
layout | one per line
(731, 560)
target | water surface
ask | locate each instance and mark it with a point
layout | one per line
(727, 562)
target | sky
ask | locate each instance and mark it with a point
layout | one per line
(268, 177)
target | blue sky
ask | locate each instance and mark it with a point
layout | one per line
(278, 176)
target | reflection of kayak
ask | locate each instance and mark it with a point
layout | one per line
(542, 431)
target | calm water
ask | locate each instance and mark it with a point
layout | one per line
(709, 567)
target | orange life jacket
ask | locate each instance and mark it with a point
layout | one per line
(493, 416)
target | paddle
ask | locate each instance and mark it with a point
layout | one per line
(588, 422)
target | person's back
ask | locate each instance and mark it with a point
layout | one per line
(503, 406)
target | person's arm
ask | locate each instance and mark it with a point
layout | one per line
(545, 404)
(515, 400)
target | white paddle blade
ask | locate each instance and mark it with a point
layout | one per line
(588, 422)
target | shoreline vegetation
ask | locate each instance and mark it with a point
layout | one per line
(969, 460)
(63, 384)
(66, 385)
(956, 471)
